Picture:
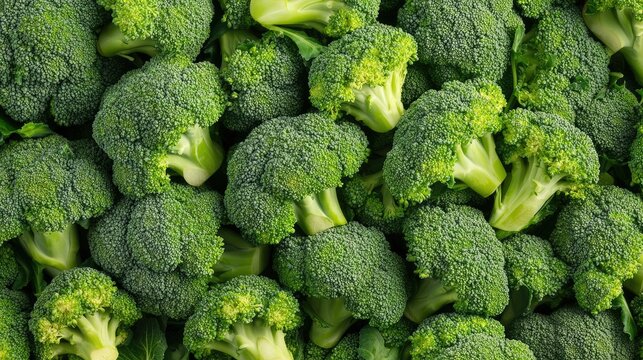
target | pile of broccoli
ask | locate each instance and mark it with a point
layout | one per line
(321, 179)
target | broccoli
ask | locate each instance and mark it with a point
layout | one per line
(286, 172)
(162, 248)
(571, 334)
(236, 14)
(345, 273)
(416, 83)
(168, 27)
(389, 343)
(482, 46)
(10, 269)
(267, 78)
(601, 238)
(619, 25)
(230, 40)
(362, 74)
(536, 9)
(455, 336)
(49, 68)
(459, 260)
(246, 318)
(156, 119)
(239, 257)
(535, 275)
(447, 135)
(48, 186)
(547, 155)
(636, 155)
(442, 195)
(14, 338)
(333, 18)
(82, 313)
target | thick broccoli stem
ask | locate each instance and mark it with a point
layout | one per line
(635, 284)
(311, 14)
(253, 341)
(526, 191)
(521, 301)
(195, 156)
(93, 337)
(112, 42)
(319, 212)
(379, 107)
(634, 57)
(430, 297)
(56, 251)
(478, 166)
(331, 320)
(240, 257)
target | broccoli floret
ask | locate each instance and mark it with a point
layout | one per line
(389, 343)
(49, 68)
(9, 267)
(442, 195)
(345, 273)
(416, 83)
(162, 248)
(459, 260)
(156, 119)
(534, 274)
(636, 155)
(239, 257)
(14, 332)
(637, 310)
(286, 172)
(346, 349)
(535, 9)
(362, 74)
(547, 155)
(82, 313)
(456, 336)
(601, 238)
(447, 135)
(167, 27)
(482, 46)
(230, 40)
(619, 25)
(236, 14)
(47, 188)
(572, 334)
(246, 318)
(267, 78)
(333, 18)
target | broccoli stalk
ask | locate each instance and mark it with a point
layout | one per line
(319, 212)
(429, 298)
(112, 42)
(331, 319)
(239, 257)
(56, 251)
(195, 157)
(253, 341)
(311, 14)
(478, 165)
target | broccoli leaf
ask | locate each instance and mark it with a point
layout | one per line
(148, 342)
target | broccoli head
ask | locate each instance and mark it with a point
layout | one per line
(388, 343)
(236, 14)
(345, 273)
(246, 318)
(459, 259)
(240, 257)
(10, 268)
(286, 172)
(157, 118)
(447, 136)
(416, 83)
(162, 248)
(362, 74)
(636, 155)
(547, 155)
(14, 332)
(82, 313)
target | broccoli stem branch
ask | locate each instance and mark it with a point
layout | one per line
(112, 42)
(634, 57)
(429, 298)
(254, 341)
(331, 320)
(56, 251)
(195, 156)
(239, 257)
(94, 337)
(635, 284)
(319, 212)
(311, 14)
(479, 167)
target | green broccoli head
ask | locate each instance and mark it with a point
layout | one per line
(267, 78)
(14, 332)
(346, 349)
(9, 267)
(571, 334)
(151, 27)
(636, 155)
(637, 310)
(482, 46)
(460, 260)
(246, 318)
(416, 83)
(362, 74)
(49, 68)
(47, 186)
(82, 313)
(285, 173)
(547, 155)
(334, 18)
(162, 248)
(345, 273)
(536, 9)
(236, 14)
(388, 343)
(156, 119)
(601, 237)
(447, 136)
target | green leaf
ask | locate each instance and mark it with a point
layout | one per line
(148, 342)
(372, 346)
(309, 48)
(629, 326)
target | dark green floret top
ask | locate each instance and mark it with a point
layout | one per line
(14, 314)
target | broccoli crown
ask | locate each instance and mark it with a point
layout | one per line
(483, 45)
(442, 195)
(162, 247)
(81, 312)
(157, 117)
(242, 317)
(636, 156)
(49, 67)
(456, 246)
(46, 185)
(571, 334)
(534, 9)
(9, 268)
(416, 83)
(346, 349)
(267, 78)
(236, 14)
(351, 262)
(284, 162)
(14, 337)
(601, 237)
(445, 135)
(637, 310)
